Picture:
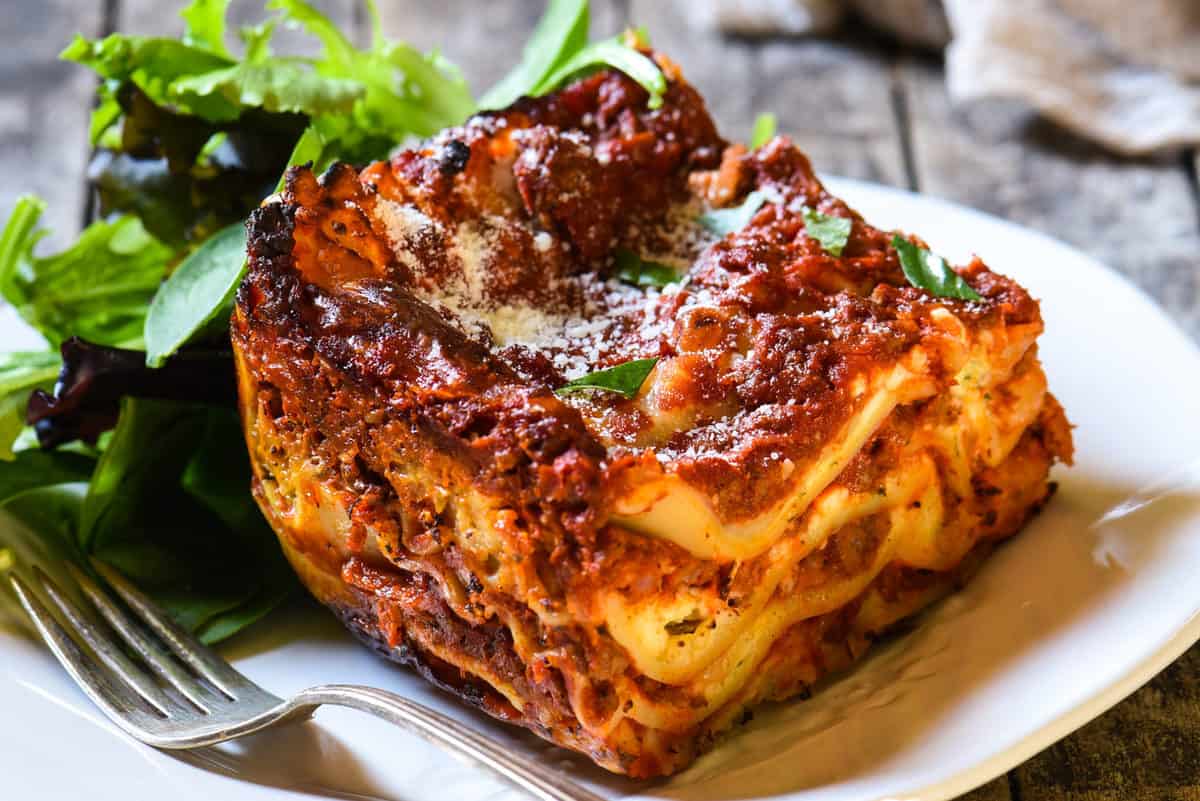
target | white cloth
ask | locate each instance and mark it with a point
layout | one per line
(1124, 73)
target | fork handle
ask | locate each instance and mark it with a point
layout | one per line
(539, 781)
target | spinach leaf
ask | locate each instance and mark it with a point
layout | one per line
(764, 130)
(613, 53)
(625, 379)
(97, 289)
(34, 468)
(727, 221)
(199, 291)
(930, 272)
(37, 527)
(560, 33)
(633, 269)
(831, 232)
(169, 506)
(559, 49)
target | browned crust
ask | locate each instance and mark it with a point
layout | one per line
(347, 374)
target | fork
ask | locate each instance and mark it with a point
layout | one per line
(195, 698)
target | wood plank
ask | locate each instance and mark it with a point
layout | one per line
(995, 790)
(44, 108)
(1138, 217)
(1145, 747)
(1141, 218)
(156, 18)
(832, 96)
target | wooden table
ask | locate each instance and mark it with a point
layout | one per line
(860, 106)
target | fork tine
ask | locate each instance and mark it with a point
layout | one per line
(161, 663)
(114, 698)
(103, 646)
(197, 655)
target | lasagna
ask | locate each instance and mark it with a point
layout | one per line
(813, 449)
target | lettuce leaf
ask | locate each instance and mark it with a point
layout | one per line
(20, 374)
(205, 20)
(153, 65)
(98, 289)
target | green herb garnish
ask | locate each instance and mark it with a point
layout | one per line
(625, 379)
(831, 232)
(764, 129)
(735, 218)
(633, 269)
(928, 271)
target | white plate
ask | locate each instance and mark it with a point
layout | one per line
(1092, 600)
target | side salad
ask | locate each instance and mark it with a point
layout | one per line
(120, 440)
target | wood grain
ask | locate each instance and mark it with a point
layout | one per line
(157, 18)
(859, 108)
(1138, 216)
(44, 108)
(833, 97)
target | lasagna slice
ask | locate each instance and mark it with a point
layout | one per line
(818, 449)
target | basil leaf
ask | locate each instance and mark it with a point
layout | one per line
(764, 130)
(727, 221)
(633, 269)
(831, 232)
(198, 292)
(560, 33)
(625, 379)
(930, 272)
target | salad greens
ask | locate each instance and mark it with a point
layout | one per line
(96, 289)
(20, 374)
(190, 135)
